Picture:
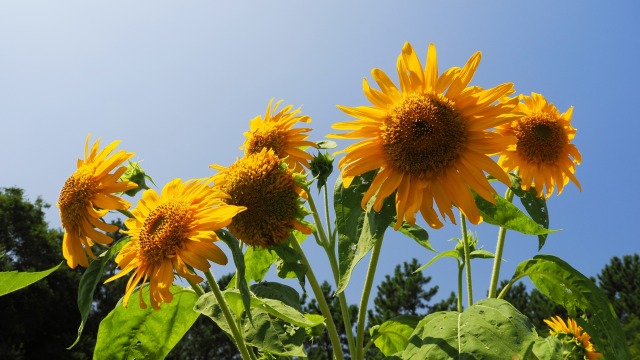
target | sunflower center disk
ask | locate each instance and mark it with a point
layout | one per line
(164, 231)
(423, 135)
(269, 138)
(541, 139)
(272, 205)
(75, 196)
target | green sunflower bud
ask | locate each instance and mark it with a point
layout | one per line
(136, 175)
(321, 168)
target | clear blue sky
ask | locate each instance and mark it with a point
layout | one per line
(178, 82)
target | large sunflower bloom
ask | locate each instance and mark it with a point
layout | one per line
(543, 154)
(275, 131)
(573, 337)
(170, 231)
(429, 138)
(87, 196)
(272, 194)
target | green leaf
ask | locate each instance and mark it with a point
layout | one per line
(238, 259)
(418, 234)
(11, 281)
(288, 263)
(393, 335)
(135, 333)
(358, 230)
(258, 260)
(507, 215)
(566, 286)
(90, 280)
(449, 253)
(489, 329)
(549, 348)
(269, 331)
(536, 207)
(481, 254)
(277, 291)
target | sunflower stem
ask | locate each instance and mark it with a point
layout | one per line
(459, 300)
(502, 234)
(366, 291)
(237, 336)
(467, 258)
(322, 302)
(327, 217)
(329, 247)
(196, 287)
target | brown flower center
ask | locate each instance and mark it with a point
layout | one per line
(268, 191)
(541, 139)
(270, 138)
(423, 135)
(75, 197)
(164, 231)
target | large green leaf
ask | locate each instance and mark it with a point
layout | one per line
(489, 329)
(15, 280)
(288, 263)
(566, 286)
(504, 213)
(393, 335)
(358, 230)
(135, 333)
(535, 206)
(90, 280)
(277, 327)
(548, 348)
(277, 291)
(238, 259)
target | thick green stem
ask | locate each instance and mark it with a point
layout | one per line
(502, 234)
(467, 258)
(327, 217)
(196, 287)
(328, 244)
(366, 291)
(460, 268)
(237, 335)
(324, 306)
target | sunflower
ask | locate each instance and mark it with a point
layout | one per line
(576, 341)
(171, 231)
(272, 194)
(86, 197)
(543, 155)
(429, 139)
(275, 131)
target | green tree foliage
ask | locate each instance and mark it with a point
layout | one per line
(41, 320)
(620, 280)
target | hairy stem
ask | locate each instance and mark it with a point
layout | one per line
(366, 291)
(502, 234)
(467, 258)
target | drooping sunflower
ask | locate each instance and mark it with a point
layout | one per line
(86, 197)
(275, 131)
(429, 139)
(272, 194)
(576, 341)
(170, 231)
(543, 154)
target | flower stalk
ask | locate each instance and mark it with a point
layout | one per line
(502, 234)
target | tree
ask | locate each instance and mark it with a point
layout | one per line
(41, 320)
(620, 281)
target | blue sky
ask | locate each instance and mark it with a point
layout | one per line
(178, 82)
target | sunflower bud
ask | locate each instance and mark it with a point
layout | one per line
(322, 167)
(136, 175)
